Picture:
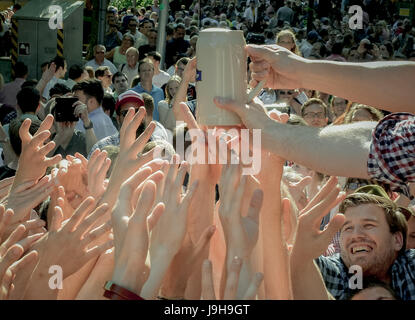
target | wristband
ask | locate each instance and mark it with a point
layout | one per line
(116, 292)
(91, 125)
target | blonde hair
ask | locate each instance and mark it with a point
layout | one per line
(169, 97)
(375, 113)
(291, 34)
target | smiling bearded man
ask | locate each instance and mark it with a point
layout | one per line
(373, 237)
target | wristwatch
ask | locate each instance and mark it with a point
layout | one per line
(91, 125)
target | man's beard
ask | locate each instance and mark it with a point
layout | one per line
(377, 267)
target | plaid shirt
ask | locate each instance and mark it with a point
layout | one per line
(392, 152)
(336, 275)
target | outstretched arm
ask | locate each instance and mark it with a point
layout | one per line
(384, 84)
(334, 150)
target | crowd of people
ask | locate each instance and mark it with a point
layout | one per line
(99, 201)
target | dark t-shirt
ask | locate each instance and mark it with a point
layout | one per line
(175, 47)
(77, 144)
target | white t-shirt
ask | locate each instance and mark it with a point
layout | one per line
(130, 73)
(160, 79)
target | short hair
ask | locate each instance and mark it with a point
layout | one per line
(126, 35)
(99, 46)
(132, 49)
(100, 72)
(167, 150)
(148, 103)
(20, 70)
(117, 75)
(155, 55)
(59, 62)
(14, 128)
(314, 101)
(144, 61)
(108, 103)
(395, 219)
(29, 83)
(179, 26)
(75, 71)
(28, 99)
(59, 89)
(373, 282)
(91, 88)
(145, 20)
(90, 71)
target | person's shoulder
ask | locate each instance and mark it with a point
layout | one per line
(90, 62)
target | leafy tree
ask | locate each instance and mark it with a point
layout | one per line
(127, 3)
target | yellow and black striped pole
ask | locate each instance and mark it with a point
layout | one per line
(15, 46)
(60, 42)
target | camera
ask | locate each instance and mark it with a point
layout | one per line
(64, 109)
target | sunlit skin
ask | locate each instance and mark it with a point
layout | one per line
(410, 240)
(286, 42)
(362, 115)
(106, 79)
(366, 240)
(339, 106)
(132, 58)
(374, 293)
(315, 116)
(120, 84)
(172, 87)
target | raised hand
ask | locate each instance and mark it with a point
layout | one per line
(23, 198)
(168, 233)
(232, 281)
(97, 167)
(241, 232)
(310, 242)
(130, 158)
(275, 65)
(131, 231)
(33, 160)
(69, 246)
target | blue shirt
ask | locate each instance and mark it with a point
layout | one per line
(103, 126)
(157, 95)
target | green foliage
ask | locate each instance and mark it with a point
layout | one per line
(127, 3)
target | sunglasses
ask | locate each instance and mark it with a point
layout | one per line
(124, 112)
(286, 92)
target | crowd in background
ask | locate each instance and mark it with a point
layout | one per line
(76, 178)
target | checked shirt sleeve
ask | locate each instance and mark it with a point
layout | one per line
(392, 152)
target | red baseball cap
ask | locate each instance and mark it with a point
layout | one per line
(129, 96)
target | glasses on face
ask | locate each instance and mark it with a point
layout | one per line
(289, 92)
(100, 52)
(311, 115)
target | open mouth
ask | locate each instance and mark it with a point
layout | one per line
(360, 249)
